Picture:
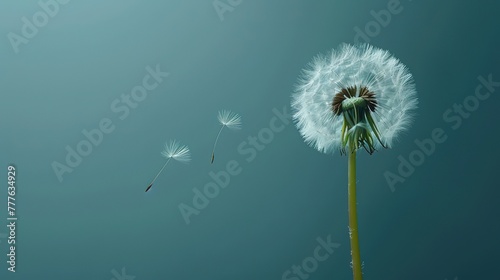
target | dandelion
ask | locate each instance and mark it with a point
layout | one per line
(226, 119)
(173, 150)
(355, 97)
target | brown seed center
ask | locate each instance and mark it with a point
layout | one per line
(368, 96)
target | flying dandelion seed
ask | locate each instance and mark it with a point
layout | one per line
(226, 119)
(173, 150)
(355, 97)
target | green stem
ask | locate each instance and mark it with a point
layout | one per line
(353, 219)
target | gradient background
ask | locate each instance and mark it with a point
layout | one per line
(440, 223)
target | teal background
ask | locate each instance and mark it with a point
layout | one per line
(440, 223)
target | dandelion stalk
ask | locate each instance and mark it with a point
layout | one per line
(353, 218)
(356, 97)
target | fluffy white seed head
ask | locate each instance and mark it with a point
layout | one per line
(229, 119)
(353, 66)
(176, 151)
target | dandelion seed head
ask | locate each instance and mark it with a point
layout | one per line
(372, 74)
(229, 119)
(174, 150)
